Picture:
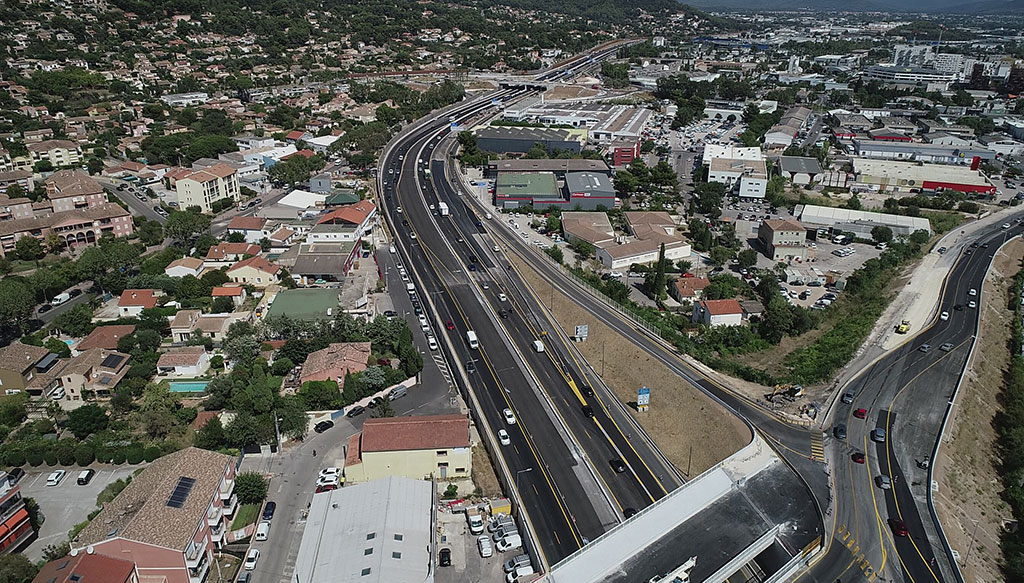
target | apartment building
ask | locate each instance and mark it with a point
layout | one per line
(20, 363)
(70, 190)
(204, 187)
(22, 178)
(410, 447)
(86, 567)
(15, 528)
(783, 239)
(60, 153)
(170, 519)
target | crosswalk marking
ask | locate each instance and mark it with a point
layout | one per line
(817, 446)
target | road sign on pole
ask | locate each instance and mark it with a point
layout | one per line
(643, 398)
(581, 332)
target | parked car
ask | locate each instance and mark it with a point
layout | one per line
(14, 475)
(323, 426)
(268, 510)
(444, 557)
(839, 431)
(483, 542)
(250, 559)
(899, 528)
(55, 477)
(883, 482)
(355, 411)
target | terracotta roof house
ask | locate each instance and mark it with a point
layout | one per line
(190, 361)
(235, 292)
(718, 312)
(104, 337)
(223, 254)
(688, 289)
(170, 520)
(252, 228)
(185, 266)
(335, 361)
(133, 301)
(86, 568)
(255, 271)
(411, 447)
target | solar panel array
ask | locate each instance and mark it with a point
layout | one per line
(112, 361)
(181, 491)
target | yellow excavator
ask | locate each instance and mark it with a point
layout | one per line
(904, 327)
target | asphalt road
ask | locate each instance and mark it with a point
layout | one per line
(907, 392)
(136, 206)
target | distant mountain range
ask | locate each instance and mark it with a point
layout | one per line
(993, 7)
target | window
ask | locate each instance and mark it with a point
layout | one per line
(442, 453)
(396, 555)
(371, 536)
(460, 470)
(399, 537)
(365, 572)
(368, 551)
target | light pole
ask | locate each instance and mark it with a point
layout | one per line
(971, 546)
(522, 471)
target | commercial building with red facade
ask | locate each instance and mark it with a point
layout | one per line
(15, 527)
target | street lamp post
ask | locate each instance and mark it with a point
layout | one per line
(522, 471)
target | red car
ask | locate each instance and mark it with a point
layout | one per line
(899, 528)
(860, 413)
(858, 458)
(449, 325)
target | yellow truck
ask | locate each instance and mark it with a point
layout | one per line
(904, 327)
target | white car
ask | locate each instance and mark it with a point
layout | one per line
(431, 207)
(250, 559)
(423, 322)
(398, 210)
(412, 235)
(432, 342)
(485, 545)
(972, 304)
(973, 292)
(510, 418)
(503, 437)
(944, 316)
(328, 481)
(55, 478)
(616, 274)
(1006, 225)
(502, 298)
(330, 472)
(496, 249)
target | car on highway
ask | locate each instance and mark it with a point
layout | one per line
(412, 235)
(268, 510)
(878, 434)
(973, 292)
(323, 426)
(899, 528)
(944, 316)
(925, 348)
(496, 249)
(250, 559)
(847, 398)
(503, 314)
(502, 298)
(972, 304)
(857, 457)
(839, 431)
(449, 325)
(861, 413)
(618, 465)
(587, 391)
(398, 210)
(588, 411)
(1006, 225)
(946, 347)
(510, 417)
(883, 482)
(503, 437)
(355, 411)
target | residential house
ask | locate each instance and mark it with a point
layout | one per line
(105, 337)
(235, 292)
(225, 254)
(20, 363)
(335, 361)
(689, 289)
(252, 228)
(85, 567)
(282, 238)
(325, 261)
(295, 136)
(171, 519)
(255, 271)
(650, 230)
(718, 313)
(783, 239)
(185, 266)
(60, 153)
(204, 187)
(15, 527)
(360, 215)
(93, 374)
(133, 301)
(22, 178)
(185, 361)
(410, 447)
(193, 323)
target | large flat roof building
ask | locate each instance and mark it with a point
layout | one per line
(920, 152)
(521, 140)
(859, 222)
(514, 189)
(364, 533)
(901, 176)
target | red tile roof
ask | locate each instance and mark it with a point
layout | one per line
(105, 337)
(295, 135)
(304, 153)
(352, 213)
(688, 286)
(256, 263)
(137, 297)
(722, 307)
(224, 291)
(222, 250)
(410, 433)
(247, 223)
(86, 568)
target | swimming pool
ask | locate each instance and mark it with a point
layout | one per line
(188, 386)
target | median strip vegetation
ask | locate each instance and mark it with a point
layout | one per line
(1010, 428)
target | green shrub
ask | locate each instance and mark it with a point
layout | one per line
(84, 454)
(118, 457)
(34, 457)
(14, 457)
(66, 454)
(50, 457)
(135, 454)
(151, 453)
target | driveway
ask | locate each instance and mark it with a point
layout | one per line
(67, 503)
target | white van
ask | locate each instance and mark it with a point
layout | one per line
(488, 216)
(519, 571)
(471, 339)
(512, 541)
(411, 288)
(538, 346)
(263, 530)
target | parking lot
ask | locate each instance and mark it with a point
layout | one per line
(467, 564)
(65, 504)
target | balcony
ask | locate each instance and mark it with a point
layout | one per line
(195, 555)
(217, 533)
(199, 573)
(213, 515)
(230, 506)
(227, 489)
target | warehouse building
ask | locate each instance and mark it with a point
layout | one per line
(559, 167)
(538, 189)
(521, 140)
(921, 152)
(589, 190)
(896, 176)
(858, 222)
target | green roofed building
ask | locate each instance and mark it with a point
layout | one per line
(305, 304)
(341, 197)
(515, 189)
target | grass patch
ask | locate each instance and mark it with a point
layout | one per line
(246, 516)
(943, 222)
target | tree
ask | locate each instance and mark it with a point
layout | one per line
(250, 487)
(659, 290)
(626, 183)
(242, 349)
(211, 435)
(222, 305)
(584, 249)
(236, 237)
(15, 191)
(16, 302)
(16, 568)
(747, 258)
(95, 165)
(86, 420)
(710, 196)
(320, 395)
(29, 249)
(151, 233)
(186, 226)
(854, 203)
(76, 322)
(881, 234)
(555, 252)
(13, 409)
(720, 255)
(382, 410)
(58, 347)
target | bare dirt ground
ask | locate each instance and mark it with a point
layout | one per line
(483, 473)
(969, 500)
(569, 92)
(690, 429)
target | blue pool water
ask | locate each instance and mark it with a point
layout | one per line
(188, 386)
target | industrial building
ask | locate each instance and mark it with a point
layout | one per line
(558, 167)
(514, 189)
(740, 169)
(589, 190)
(896, 176)
(799, 170)
(937, 153)
(858, 222)
(522, 140)
(603, 123)
(378, 531)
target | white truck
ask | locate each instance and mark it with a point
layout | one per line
(475, 520)
(442, 207)
(60, 299)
